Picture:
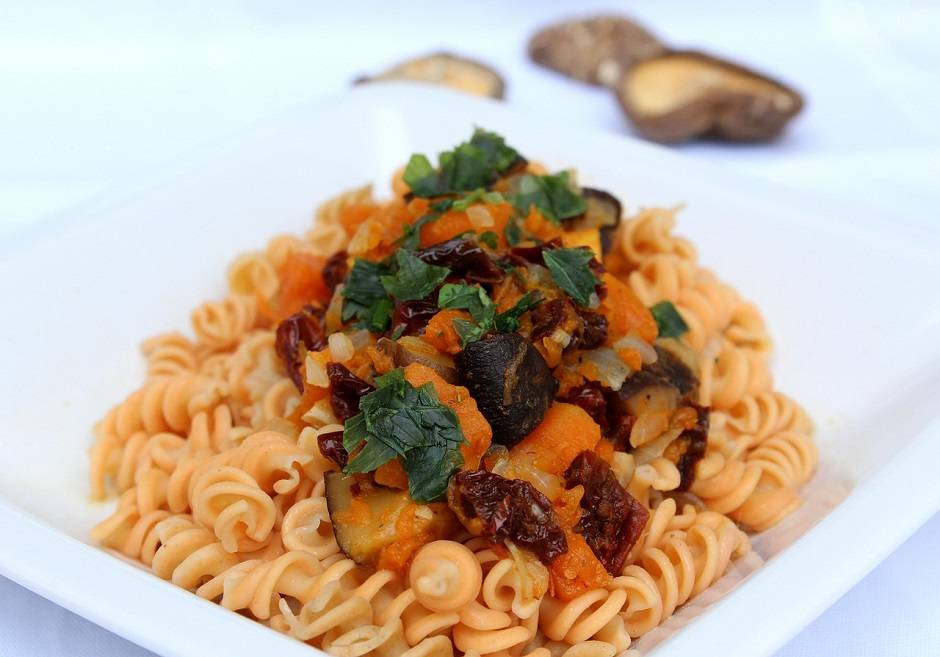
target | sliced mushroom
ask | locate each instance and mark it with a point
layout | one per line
(447, 70)
(670, 369)
(684, 94)
(412, 349)
(511, 383)
(603, 212)
(594, 50)
(364, 517)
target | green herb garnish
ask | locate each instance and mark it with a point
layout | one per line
(477, 302)
(365, 297)
(512, 232)
(399, 420)
(413, 279)
(471, 165)
(668, 320)
(554, 196)
(507, 322)
(489, 238)
(471, 298)
(477, 196)
(570, 271)
(411, 235)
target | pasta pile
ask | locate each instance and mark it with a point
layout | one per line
(217, 463)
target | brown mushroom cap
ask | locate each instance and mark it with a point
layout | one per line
(594, 50)
(448, 70)
(679, 95)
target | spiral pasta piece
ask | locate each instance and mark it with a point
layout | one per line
(211, 431)
(581, 618)
(273, 460)
(662, 278)
(169, 354)
(684, 565)
(664, 518)
(278, 401)
(747, 329)
(743, 491)
(418, 621)
(788, 457)
(188, 554)
(230, 502)
(660, 474)
(445, 576)
(166, 403)
(254, 357)
(253, 274)
(129, 532)
(307, 527)
(505, 589)
(256, 585)
(735, 373)
(219, 324)
(649, 233)
(766, 414)
(330, 610)
(326, 239)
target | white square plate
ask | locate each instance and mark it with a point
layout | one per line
(852, 302)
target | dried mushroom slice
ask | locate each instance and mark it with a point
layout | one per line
(594, 50)
(684, 94)
(447, 70)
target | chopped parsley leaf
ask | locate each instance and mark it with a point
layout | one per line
(365, 297)
(570, 271)
(470, 165)
(553, 196)
(413, 279)
(399, 420)
(668, 320)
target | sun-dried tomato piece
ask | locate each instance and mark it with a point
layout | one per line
(592, 332)
(465, 258)
(335, 270)
(535, 253)
(507, 510)
(346, 389)
(331, 446)
(588, 329)
(611, 519)
(619, 428)
(547, 317)
(689, 448)
(299, 333)
(590, 397)
(412, 317)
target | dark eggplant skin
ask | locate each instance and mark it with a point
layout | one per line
(511, 383)
(603, 212)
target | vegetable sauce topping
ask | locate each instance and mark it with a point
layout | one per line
(500, 369)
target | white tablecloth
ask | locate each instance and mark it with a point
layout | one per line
(97, 93)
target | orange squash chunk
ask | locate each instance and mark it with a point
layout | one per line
(440, 332)
(626, 313)
(577, 570)
(474, 426)
(564, 432)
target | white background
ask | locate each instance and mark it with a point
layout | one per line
(100, 94)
